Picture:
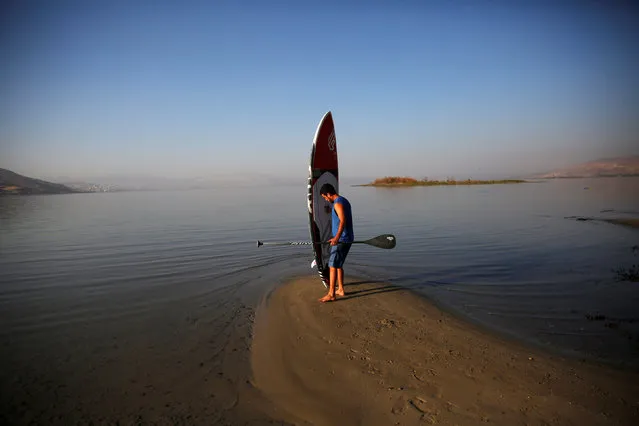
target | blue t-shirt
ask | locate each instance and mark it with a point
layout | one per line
(348, 236)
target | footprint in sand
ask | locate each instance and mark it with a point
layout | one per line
(430, 389)
(399, 406)
(429, 414)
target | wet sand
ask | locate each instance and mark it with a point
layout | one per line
(629, 222)
(180, 363)
(383, 356)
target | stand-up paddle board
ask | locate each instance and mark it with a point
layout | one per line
(322, 169)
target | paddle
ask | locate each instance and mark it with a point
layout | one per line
(384, 241)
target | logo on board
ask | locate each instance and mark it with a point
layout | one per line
(331, 141)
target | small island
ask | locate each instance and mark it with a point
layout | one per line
(397, 181)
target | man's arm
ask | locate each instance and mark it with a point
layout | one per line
(339, 209)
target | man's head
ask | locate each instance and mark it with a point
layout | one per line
(327, 191)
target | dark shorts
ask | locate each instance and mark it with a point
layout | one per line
(338, 255)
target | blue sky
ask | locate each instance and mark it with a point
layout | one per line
(204, 89)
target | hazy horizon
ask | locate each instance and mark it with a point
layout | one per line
(211, 91)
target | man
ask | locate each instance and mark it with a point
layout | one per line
(343, 236)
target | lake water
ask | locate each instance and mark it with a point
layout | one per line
(84, 275)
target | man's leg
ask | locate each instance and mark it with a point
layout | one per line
(344, 249)
(331, 286)
(340, 282)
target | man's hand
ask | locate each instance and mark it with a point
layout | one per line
(334, 241)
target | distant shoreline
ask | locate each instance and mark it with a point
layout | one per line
(31, 191)
(588, 177)
(397, 181)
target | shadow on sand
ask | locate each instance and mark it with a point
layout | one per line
(367, 291)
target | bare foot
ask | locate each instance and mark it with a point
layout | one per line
(340, 293)
(327, 298)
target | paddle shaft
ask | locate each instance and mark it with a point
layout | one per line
(385, 241)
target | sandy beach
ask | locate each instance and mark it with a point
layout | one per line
(384, 356)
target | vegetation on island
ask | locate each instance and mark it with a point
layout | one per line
(395, 181)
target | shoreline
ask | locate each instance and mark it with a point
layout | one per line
(397, 358)
(628, 222)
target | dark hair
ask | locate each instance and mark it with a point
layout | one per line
(327, 189)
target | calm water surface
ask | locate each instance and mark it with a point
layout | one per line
(84, 273)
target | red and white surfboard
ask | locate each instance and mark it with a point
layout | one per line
(322, 169)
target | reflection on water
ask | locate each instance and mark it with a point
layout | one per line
(14, 210)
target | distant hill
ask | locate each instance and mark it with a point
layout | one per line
(13, 183)
(609, 167)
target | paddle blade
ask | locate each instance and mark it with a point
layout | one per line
(385, 241)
